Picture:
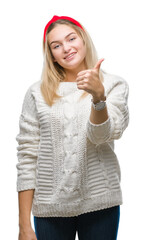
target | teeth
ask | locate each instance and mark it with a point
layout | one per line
(70, 55)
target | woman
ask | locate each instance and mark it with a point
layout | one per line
(68, 124)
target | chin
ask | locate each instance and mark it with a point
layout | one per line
(73, 66)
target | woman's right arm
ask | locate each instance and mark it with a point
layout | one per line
(28, 140)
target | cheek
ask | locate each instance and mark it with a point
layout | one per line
(83, 50)
(56, 55)
(82, 47)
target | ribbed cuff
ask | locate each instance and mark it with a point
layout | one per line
(25, 186)
(98, 133)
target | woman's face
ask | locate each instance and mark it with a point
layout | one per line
(67, 47)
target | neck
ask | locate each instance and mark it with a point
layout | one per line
(71, 76)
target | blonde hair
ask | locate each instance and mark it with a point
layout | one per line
(53, 73)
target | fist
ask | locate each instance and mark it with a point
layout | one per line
(89, 81)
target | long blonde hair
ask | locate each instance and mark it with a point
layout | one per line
(53, 73)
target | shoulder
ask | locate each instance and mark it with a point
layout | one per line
(115, 82)
(28, 99)
(113, 79)
(34, 86)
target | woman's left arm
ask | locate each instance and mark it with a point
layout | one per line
(109, 124)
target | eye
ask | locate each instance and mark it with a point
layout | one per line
(71, 39)
(56, 46)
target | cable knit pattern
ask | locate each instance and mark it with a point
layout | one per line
(69, 161)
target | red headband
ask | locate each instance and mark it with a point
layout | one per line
(55, 18)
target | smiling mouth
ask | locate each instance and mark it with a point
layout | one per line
(70, 55)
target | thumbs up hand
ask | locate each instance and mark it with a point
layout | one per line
(89, 81)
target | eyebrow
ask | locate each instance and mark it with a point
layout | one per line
(65, 37)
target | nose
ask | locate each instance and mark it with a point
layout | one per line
(66, 47)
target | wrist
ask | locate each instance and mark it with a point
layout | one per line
(24, 224)
(25, 228)
(98, 104)
(97, 100)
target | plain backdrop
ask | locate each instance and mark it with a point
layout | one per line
(117, 30)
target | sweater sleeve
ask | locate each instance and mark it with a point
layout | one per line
(117, 122)
(28, 142)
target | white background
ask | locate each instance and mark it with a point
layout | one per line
(117, 29)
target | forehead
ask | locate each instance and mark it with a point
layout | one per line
(60, 32)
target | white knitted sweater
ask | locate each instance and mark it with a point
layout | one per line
(69, 161)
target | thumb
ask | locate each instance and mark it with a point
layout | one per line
(98, 64)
